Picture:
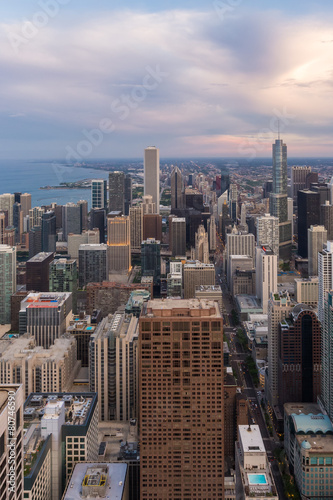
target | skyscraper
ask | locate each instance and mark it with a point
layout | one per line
(152, 175)
(177, 236)
(7, 280)
(266, 275)
(201, 245)
(119, 243)
(151, 259)
(325, 274)
(97, 220)
(99, 193)
(268, 232)
(299, 177)
(38, 272)
(181, 383)
(7, 201)
(71, 219)
(279, 199)
(136, 221)
(317, 237)
(116, 191)
(299, 369)
(127, 193)
(326, 218)
(327, 354)
(35, 217)
(45, 316)
(177, 187)
(308, 215)
(279, 308)
(49, 232)
(25, 200)
(92, 264)
(64, 278)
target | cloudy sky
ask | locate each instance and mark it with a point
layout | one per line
(106, 78)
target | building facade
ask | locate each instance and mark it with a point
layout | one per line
(182, 451)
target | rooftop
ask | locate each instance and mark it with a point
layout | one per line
(24, 347)
(208, 288)
(77, 406)
(48, 299)
(97, 480)
(250, 437)
(312, 424)
(183, 307)
(197, 264)
(318, 444)
(40, 257)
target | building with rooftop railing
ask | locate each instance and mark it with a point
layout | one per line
(98, 480)
(61, 430)
(46, 316)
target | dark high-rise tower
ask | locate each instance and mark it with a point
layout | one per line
(279, 198)
(49, 232)
(120, 192)
(177, 187)
(308, 215)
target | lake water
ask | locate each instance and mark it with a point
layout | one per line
(28, 177)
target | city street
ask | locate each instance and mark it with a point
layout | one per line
(237, 361)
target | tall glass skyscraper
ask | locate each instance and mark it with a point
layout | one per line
(279, 199)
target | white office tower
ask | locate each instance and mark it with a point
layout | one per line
(11, 442)
(152, 175)
(266, 275)
(136, 226)
(325, 274)
(239, 244)
(298, 179)
(279, 308)
(327, 355)
(317, 237)
(212, 233)
(99, 193)
(7, 201)
(268, 232)
(51, 423)
(201, 245)
(7, 281)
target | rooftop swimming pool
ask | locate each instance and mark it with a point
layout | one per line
(257, 479)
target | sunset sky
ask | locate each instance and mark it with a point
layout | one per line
(105, 79)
